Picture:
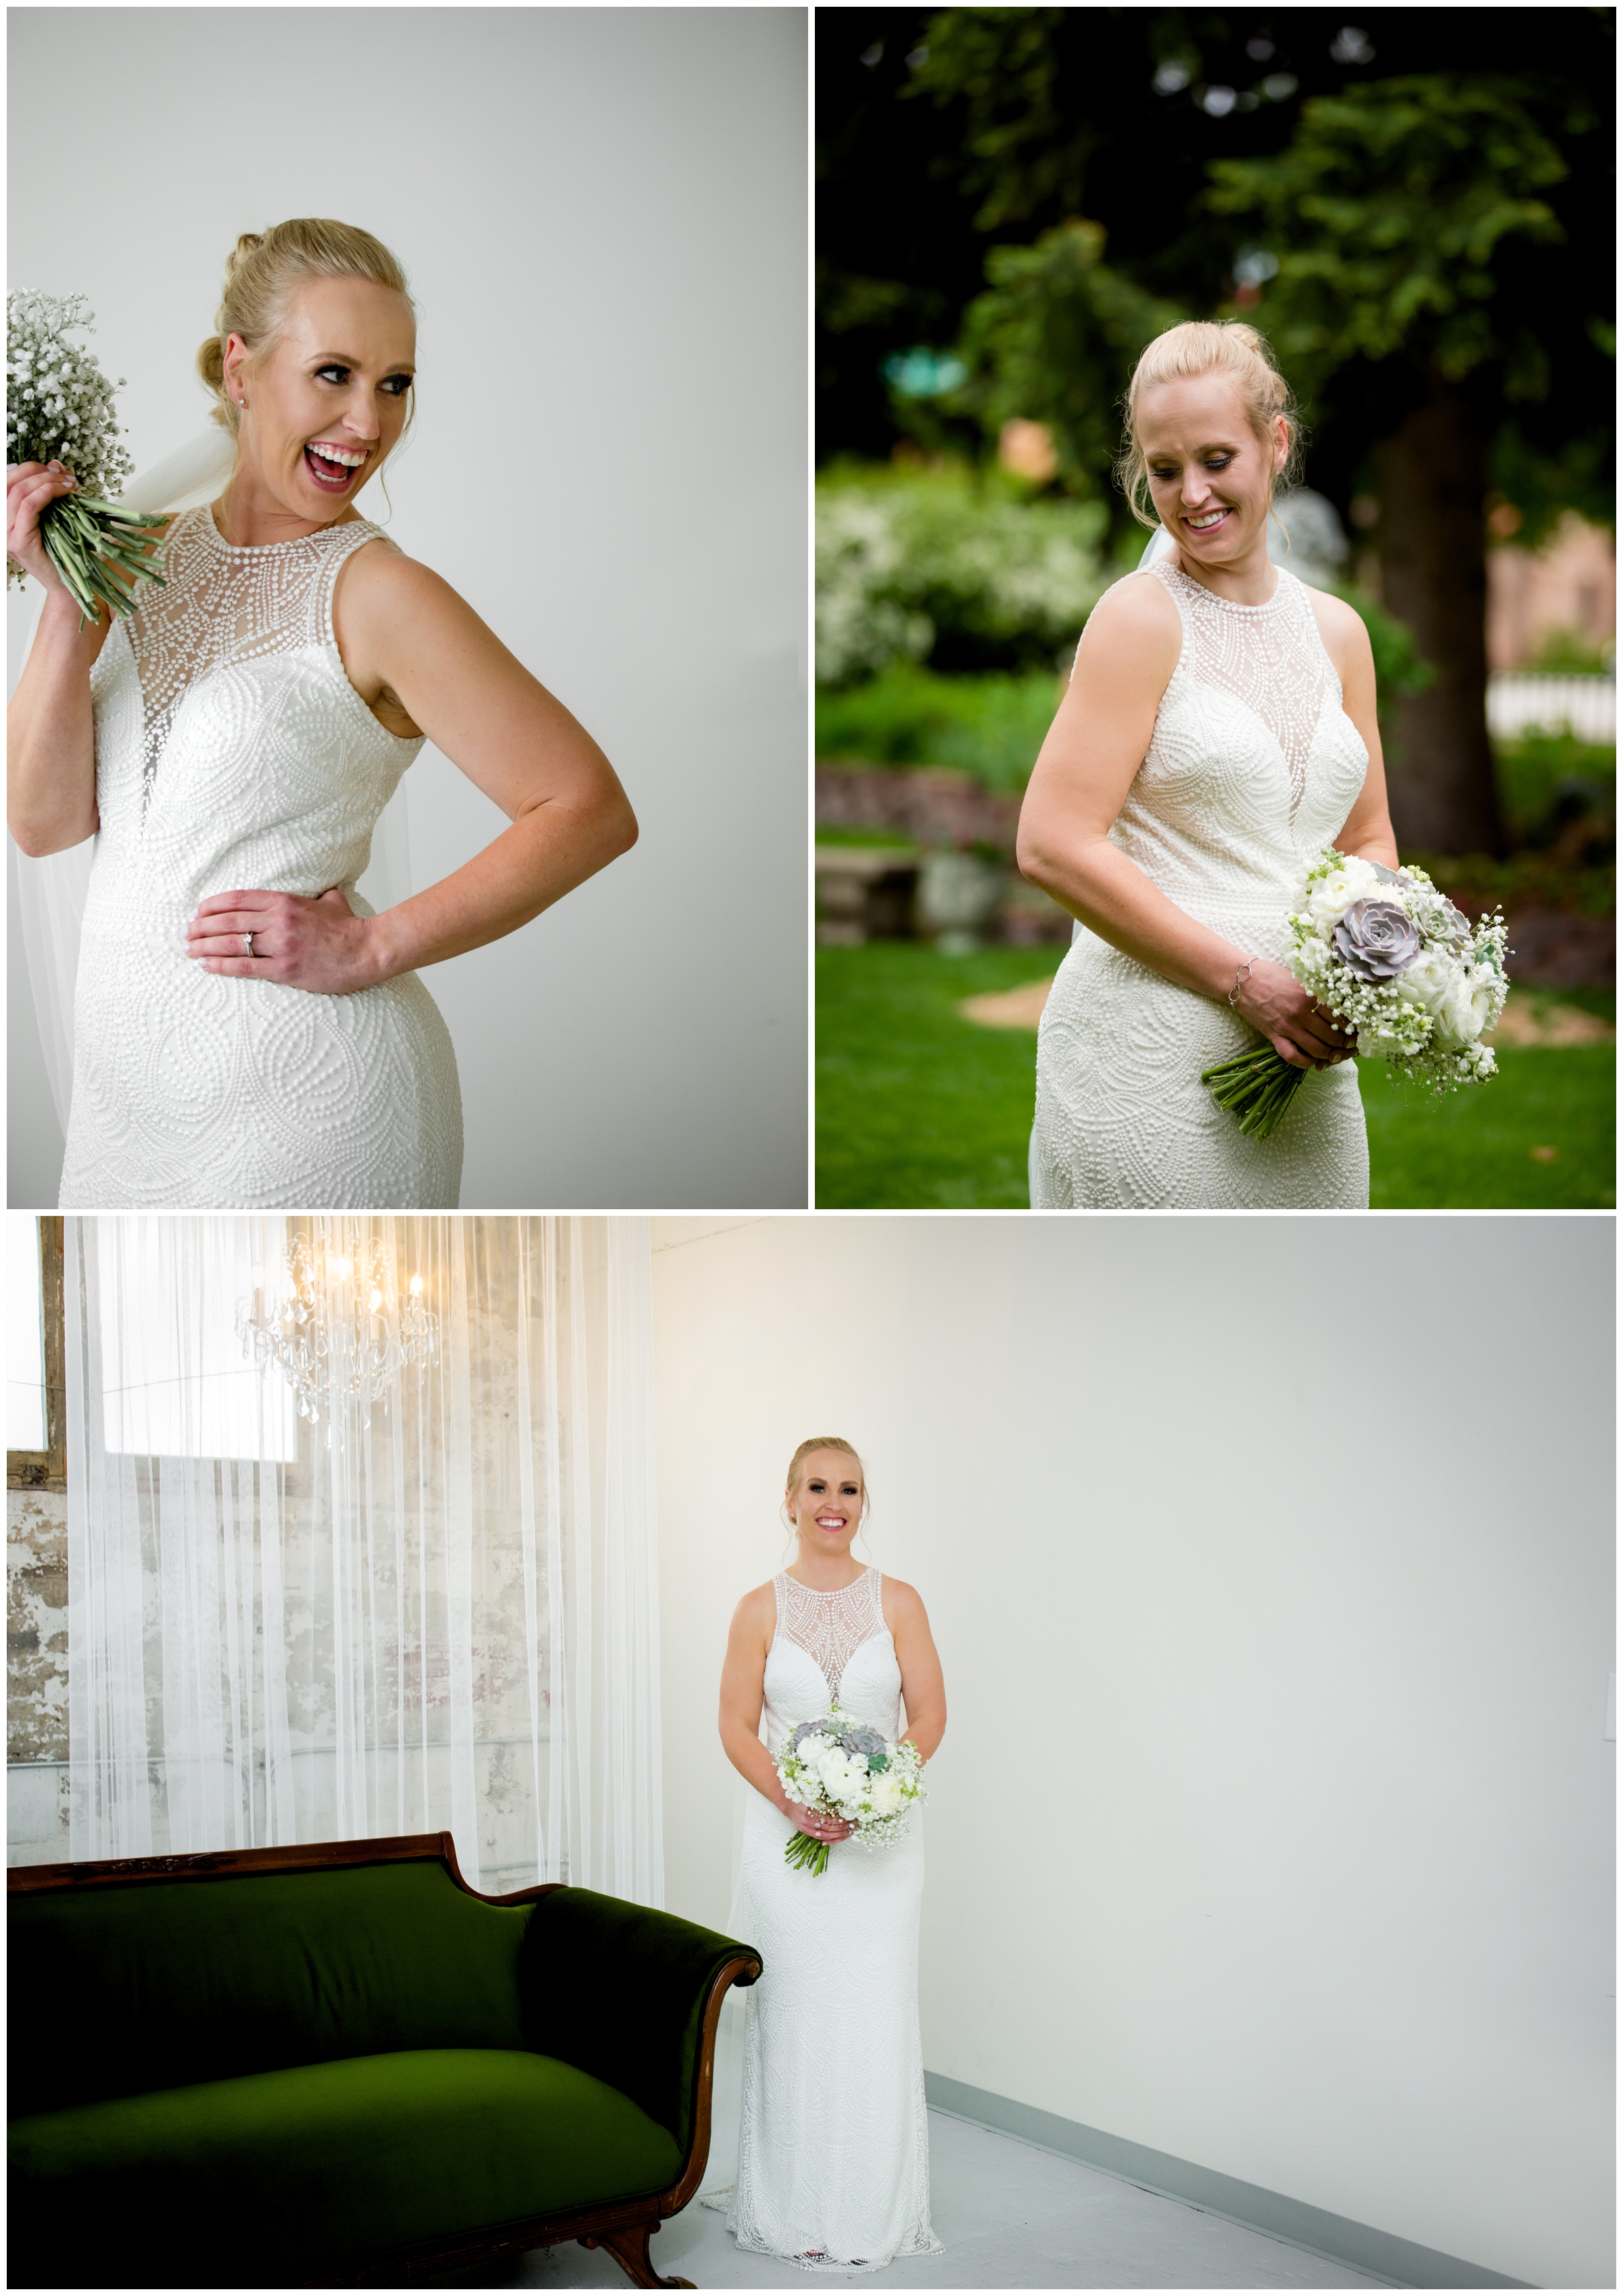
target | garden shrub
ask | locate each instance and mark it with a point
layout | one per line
(950, 567)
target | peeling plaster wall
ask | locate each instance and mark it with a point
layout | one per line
(35, 1676)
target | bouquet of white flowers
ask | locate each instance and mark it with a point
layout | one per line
(1407, 974)
(59, 408)
(838, 1763)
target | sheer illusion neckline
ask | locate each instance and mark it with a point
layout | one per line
(832, 1625)
(1233, 605)
(217, 541)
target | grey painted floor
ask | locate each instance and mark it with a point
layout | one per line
(1008, 2215)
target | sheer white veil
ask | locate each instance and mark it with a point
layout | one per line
(51, 891)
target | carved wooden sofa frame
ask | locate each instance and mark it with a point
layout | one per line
(624, 2228)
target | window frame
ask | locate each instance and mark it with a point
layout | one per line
(47, 1469)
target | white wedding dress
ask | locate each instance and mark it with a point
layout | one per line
(1252, 766)
(234, 754)
(833, 2147)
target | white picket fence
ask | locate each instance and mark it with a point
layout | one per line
(1521, 702)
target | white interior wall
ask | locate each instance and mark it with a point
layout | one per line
(601, 212)
(1270, 1561)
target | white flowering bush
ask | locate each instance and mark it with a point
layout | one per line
(1405, 973)
(903, 557)
(59, 407)
(840, 1765)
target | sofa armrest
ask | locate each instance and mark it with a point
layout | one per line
(631, 1997)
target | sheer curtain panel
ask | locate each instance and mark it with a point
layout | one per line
(433, 1605)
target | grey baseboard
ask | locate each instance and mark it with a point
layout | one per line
(1401, 2263)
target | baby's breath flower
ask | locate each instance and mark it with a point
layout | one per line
(838, 1764)
(62, 410)
(1426, 1023)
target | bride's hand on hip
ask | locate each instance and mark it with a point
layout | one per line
(318, 944)
(818, 1823)
(1275, 1002)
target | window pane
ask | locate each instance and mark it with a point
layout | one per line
(174, 1381)
(25, 1346)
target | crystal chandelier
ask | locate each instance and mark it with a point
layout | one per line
(334, 1324)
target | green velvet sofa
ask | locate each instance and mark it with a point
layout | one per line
(339, 2066)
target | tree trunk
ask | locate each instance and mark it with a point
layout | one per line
(1430, 477)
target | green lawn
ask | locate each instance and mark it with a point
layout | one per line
(918, 1107)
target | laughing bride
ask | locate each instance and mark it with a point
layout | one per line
(247, 1033)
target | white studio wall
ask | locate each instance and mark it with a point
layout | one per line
(1270, 1566)
(603, 215)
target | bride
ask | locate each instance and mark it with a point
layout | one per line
(1219, 727)
(247, 1032)
(833, 2160)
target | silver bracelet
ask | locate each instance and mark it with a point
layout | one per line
(1243, 972)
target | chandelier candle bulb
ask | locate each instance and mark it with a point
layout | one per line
(340, 1330)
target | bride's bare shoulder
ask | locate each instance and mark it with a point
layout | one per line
(757, 1612)
(902, 1602)
(1138, 606)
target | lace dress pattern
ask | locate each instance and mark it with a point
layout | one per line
(232, 751)
(834, 2166)
(1252, 765)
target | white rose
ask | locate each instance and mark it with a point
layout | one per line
(1430, 980)
(1330, 899)
(1465, 1010)
(838, 1776)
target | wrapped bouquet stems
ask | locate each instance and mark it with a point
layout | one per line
(1258, 1085)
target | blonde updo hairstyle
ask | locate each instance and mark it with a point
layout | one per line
(792, 1480)
(1201, 347)
(264, 273)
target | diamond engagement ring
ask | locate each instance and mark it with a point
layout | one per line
(247, 943)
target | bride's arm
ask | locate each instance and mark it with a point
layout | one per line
(50, 731)
(1078, 788)
(743, 1675)
(408, 635)
(923, 1691)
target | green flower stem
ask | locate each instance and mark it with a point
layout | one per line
(801, 1850)
(1257, 1086)
(86, 538)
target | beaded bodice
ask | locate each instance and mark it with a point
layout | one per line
(826, 1647)
(830, 1626)
(1253, 763)
(219, 604)
(1271, 656)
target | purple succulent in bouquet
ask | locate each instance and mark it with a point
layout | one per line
(1376, 940)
